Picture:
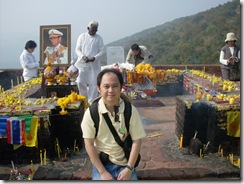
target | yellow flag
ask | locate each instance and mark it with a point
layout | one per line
(233, 124)
(31, 136)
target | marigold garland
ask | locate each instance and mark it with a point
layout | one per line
(72, 98)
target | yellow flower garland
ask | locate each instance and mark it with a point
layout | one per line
(72, 98)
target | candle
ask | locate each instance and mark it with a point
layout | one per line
(231, 101)
(58, 151)
(21, 79)
(11, 174)
(200, 153)
(32, 167)
(222, 152)
(219, 150)
(74, 144)
(12, 83)
(231, 158)
(213, 80)
(12, 165)
(40, 157)
(45, 157)
(204, 69)
(78, 150)
(14, 168)
(239, 162)
(17, 80)
(181, 141)
(58, 148)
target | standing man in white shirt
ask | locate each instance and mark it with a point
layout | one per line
(28, 62)
(89, 49)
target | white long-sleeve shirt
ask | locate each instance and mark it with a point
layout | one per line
(29, 65)
(131, 58)
(89, 46)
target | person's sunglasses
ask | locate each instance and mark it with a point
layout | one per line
(116, 116)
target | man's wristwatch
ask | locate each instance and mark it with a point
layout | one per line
(130, 168)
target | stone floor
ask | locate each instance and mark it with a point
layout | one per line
(162, 159)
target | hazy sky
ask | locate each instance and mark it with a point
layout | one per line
(20, 20)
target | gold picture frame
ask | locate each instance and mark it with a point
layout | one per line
(58, 55)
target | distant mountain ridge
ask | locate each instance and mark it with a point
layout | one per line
(195, 39)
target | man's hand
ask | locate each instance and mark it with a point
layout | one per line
(231, 59)
(85, 59)
(125, 174)
(106, 176)
(92, 59)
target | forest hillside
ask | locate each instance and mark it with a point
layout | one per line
(195, 39)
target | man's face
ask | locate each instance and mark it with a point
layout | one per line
(30, 50)
(135, 52)
(55, 41)
(92, 30)
(230, 43)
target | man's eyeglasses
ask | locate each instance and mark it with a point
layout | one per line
(116, 116)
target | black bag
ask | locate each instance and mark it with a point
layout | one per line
(235, 73)
(104, 158)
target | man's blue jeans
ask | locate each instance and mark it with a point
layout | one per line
(113, 169)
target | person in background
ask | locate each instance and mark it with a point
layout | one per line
(57, 53)
(138, 54)
(89, 49)
(109, 85)
(229, 55)
(28, 62)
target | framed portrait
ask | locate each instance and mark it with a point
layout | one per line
(55, 45)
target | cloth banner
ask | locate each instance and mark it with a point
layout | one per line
(31, 136)
(31, 127)
(3, 126)
(16, 131)
(27, 119)
(233, 124)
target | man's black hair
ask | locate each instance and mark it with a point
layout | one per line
(135, 47)
(30, 44)
(116, 72)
